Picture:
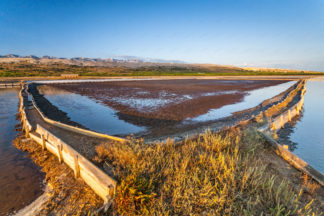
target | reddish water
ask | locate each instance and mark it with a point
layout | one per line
(20, 179)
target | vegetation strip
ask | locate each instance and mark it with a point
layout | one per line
(25, 69)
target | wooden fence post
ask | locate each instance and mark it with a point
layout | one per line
(23, 124)
(76, 166)
(273, 126)
(111, 191)
(281, 121)
(110, 196)
(22, 119)
(297, 110)
(289, 115)
(27, 131)
(59, 151)
(43, 142)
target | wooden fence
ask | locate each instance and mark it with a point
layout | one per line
(282, 150)
(10, 85)
(100, 182)
(294, 160)
(279, 122)
(300, 86)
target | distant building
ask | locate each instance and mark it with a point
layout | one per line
(70, 76)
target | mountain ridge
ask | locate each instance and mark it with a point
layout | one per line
(131, 62)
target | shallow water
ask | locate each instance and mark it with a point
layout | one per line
(254, 98)
(308, 133)
(90, 113)
(20, 178)
(99, 117)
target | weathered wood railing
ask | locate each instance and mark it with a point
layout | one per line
(290, 95)
(287, 116)
(267, 130)
(300, 86)
(10, 85)
(101, 183)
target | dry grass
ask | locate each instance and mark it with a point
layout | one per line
(211, 175)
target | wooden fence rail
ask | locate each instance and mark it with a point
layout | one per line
(100, 182)
(10, 85)
(281, 150)
(279, 122)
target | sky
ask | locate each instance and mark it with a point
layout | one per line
(260, 33)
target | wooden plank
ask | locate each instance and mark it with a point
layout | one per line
(59, 151)
(76, 166)
(43, 142)
(294, 160)
(99, 181)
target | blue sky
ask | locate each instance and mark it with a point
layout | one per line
(267, 33)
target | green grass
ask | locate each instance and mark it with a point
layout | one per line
(42, 70)
(212, 175)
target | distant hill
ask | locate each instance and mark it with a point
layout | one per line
(21, 66)
(126, 61)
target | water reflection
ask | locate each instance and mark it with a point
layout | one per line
(20, 178)
(89, 113)
(254, 98)
(308, 132)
